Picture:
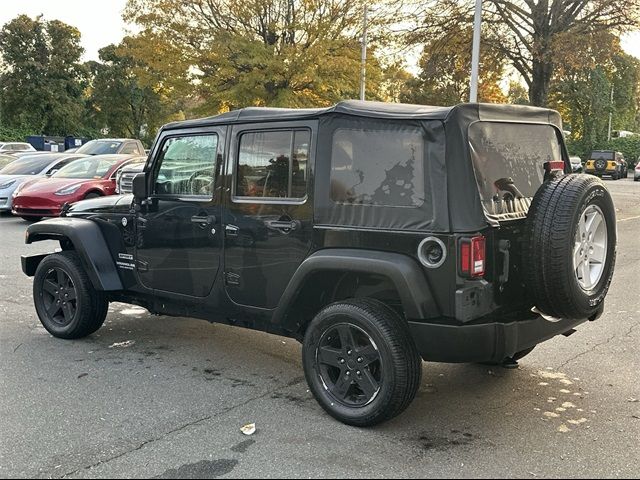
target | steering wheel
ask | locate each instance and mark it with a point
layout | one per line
(200, 183)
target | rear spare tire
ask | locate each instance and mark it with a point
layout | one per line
(570, 248)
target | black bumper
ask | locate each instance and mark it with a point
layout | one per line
(485, 342)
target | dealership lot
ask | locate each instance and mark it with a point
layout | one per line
(155, 396)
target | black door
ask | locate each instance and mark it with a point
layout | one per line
(179, 229)
(268, 219)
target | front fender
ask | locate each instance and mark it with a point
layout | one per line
(87, 239)
(405, 273)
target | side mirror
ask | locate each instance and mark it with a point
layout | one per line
(139, 186)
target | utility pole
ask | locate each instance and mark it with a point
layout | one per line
(610, 115)
(363, 68)
(475, 55)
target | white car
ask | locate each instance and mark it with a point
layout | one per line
(576, 164)
(11, 147)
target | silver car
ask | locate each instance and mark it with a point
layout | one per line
(11, 147)
(20, 170)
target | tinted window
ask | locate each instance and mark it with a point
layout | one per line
(509, 163)
(99, 147)
(130, 148)
(92, 167)
(378, 167)
(25, 166)
(60, 164)
(273, 164)
(604, 155)
(187, 166)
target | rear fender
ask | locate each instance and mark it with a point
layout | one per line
(403, 271)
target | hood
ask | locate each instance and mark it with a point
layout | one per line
(18, 178)
(110, 204)
(45, 186)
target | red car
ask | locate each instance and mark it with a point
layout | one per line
(82, 179)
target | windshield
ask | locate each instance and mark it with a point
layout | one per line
(25, 166)
(5, 160)
(99, 147)
(96, 167)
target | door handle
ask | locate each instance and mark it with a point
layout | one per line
(283, 225)
(208, 220)
(232, 230)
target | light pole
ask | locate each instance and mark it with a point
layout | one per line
(475, 54)
(610, 115)
(363, 67)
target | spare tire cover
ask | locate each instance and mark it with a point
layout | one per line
(570, 246)
(601, 164)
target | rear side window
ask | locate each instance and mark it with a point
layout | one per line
(508, 160)
(378, 167)
(273, 164)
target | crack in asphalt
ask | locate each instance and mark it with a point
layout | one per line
(589, 350)
(143, 444)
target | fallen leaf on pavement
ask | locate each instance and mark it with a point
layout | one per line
(126, 344)
(249, 429)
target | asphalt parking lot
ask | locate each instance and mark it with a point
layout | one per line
(171, 401)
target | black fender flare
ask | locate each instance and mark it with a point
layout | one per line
(88, 240)
(405, 273)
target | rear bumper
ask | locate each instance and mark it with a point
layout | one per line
(484, 342)
(608, 171)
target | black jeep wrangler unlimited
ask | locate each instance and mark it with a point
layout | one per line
(376, 234)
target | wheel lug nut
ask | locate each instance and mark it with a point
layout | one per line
(348, 374)
(341, 360)
(349, 352)
(359, 359)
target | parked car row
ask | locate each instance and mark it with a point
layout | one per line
(40, 184)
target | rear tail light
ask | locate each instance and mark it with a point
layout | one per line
(472, 256)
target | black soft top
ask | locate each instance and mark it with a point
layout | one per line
(453, 202)
(464, 113)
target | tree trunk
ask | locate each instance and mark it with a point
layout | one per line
(540, 83)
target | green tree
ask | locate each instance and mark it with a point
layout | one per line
(526, 32)
(589, 68)
(294, 53)
(41, 77)
(445, 72)
(125, 98)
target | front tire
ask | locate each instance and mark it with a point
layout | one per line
(66, 302)
(360, 362)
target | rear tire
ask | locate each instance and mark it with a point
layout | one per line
(91, 195)
(66, 302)
(570, 252)
(360, 362)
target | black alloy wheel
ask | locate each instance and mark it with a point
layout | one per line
(67, 304)
(348, 363)
(60, 297)
(361, 362)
